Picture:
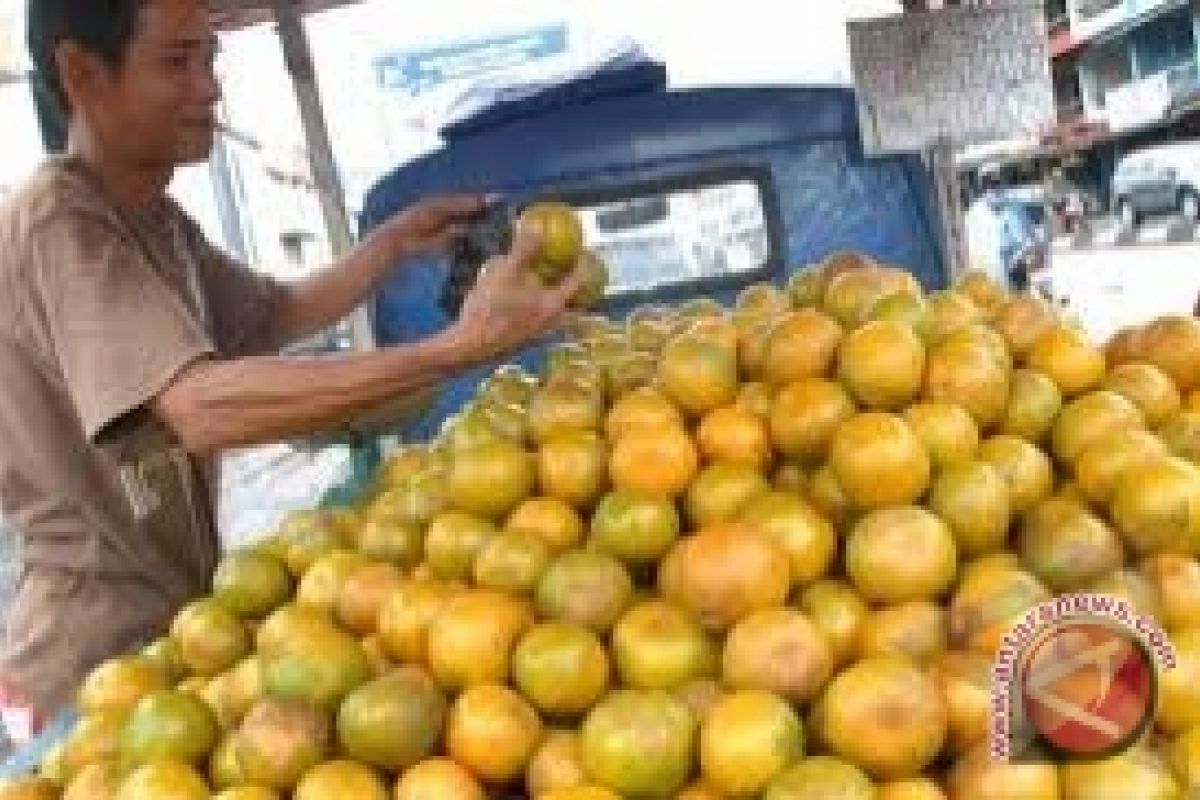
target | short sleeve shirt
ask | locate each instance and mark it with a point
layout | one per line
(100, 309)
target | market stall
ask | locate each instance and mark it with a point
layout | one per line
(797, 510)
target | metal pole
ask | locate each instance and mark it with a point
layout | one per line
(297, 56)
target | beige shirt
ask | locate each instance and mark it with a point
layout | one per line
(99, 311)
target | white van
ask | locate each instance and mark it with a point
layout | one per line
(1158, 180)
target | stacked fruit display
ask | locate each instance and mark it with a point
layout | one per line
(767, 551)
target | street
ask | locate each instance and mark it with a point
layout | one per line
(1108, 285)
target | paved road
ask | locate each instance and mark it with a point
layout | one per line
(1110, 286)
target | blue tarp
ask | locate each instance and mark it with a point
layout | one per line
(830, 197)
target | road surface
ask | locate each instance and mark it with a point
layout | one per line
(1109, 285)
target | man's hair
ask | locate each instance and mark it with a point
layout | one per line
(102, 27)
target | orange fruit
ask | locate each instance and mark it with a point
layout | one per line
(280, 741)
(805, 416)
(968, 373)
(635, 527)
(639, 743)
(839, 613)
(735, 435)
(252, 583)
(657, 645)
(821, 776)
(916, 630)
(491, 480)
(809, 539)
(644, 409)
(777, 650)
(1069, 360)
(322, 584)
(391, 539)
(341, 780)
(560, 233)
(453, 540)
(973, 499)
(512, 562)
(748, 738)
(966, 682)
(878, 461)
(987, 603)
(1172, 343)
(720, 491)
(1105, 460)
(1028, 471)
(405, 616)
(116, 685)
(561, 667)
(885, 715)
(587, 587)
(211, 638)
(322, 668)
(882, 364)
(800, 345)
(1022, 320)
(471, 639)
(1156, 506)
(163, 780)
(1176, 580)
(394, 721)
(983, 291)
(557, 764)
(1067, 546)
(551, 520)
(573, 467)
(661, 462)
(1181, 434)
(977, 776)
(946, 313)
(898, 554)
(438, 779)
(1034, 404)
(493, 732)
(563, 406)
(364, 593)
(698, 375)
(1088, 418)
(729, 570)
(1148, 388)
(947, 431)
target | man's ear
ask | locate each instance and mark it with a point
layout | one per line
(79, 71)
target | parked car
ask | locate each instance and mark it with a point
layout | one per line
(1158, 181)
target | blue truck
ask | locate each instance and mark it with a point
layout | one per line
(626, 142)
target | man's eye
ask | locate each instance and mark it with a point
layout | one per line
(176, 61)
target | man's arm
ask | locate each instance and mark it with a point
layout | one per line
(322, 300)
(214, 405)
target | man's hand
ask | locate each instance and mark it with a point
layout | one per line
(509, 306)
(429, 226)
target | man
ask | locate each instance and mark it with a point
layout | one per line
(132, 352)
(999, 234)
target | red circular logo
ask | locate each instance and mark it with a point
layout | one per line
(1088, 688)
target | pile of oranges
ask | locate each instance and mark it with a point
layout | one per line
(762, 551)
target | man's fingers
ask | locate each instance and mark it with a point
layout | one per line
(457, 206)
(570, 285)
(526, 247)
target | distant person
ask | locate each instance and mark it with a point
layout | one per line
(999, 235)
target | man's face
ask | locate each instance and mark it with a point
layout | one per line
(158, 106)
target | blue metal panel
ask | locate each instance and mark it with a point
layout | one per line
(829, 195)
